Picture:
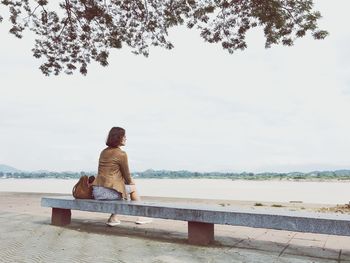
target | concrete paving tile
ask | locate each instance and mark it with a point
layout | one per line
(311, 236)
(229, 236)
(281, 232)
(261, 245)
(227, 241)
(239, 232)
(311, 251)
(307, 242)
(338, 242)
(286, 258)
(345, 255)
(276, 236)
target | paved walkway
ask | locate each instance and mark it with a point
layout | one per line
(27, 236)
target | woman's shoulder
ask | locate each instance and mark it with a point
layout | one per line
(113, 150)
(121, 152)
(105, 150)
(108, 151)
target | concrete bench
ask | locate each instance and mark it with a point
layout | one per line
(201, 218)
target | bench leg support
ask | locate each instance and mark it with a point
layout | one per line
(200, 233)
(60, 217)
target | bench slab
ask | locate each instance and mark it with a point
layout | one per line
(333, 224)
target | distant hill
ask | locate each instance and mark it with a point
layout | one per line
(8, 169)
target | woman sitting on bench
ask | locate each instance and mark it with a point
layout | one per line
(113, 181)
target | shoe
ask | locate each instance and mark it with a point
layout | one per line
(112, 223)
(143, 220)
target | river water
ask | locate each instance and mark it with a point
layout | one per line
(331, 192)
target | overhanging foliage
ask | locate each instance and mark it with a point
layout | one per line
(79, 31)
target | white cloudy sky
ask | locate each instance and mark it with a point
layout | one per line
(195, 107)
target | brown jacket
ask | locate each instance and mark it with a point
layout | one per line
(113, 170)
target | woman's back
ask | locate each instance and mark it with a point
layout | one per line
(109, 162)
(113, 170)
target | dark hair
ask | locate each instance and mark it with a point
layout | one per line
(115, 137)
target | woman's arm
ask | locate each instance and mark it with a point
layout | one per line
(124, 167)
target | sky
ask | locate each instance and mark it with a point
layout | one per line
(195, 107)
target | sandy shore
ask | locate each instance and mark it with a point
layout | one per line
(27, 236)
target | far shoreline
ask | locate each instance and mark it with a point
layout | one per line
(191, 178)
